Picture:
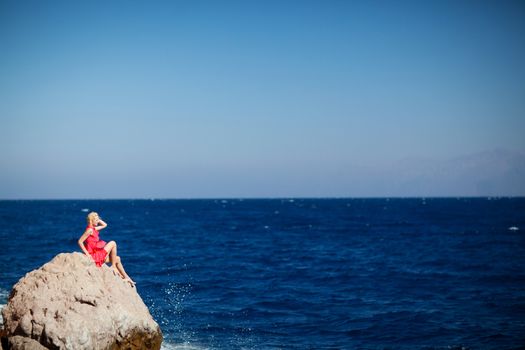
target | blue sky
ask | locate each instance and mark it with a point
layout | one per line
(188, 99)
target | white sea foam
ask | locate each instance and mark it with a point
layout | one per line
(3, 295)
(85, 209)
(513, 228)
(182, 346)
(3, 300)
(1, 317)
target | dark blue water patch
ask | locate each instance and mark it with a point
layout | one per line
(433, 273)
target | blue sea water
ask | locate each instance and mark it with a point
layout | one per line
(435, 273)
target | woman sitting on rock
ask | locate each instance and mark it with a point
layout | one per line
(98, 250)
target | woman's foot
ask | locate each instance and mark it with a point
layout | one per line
(127, 279)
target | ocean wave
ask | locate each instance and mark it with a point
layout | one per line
(4, 294)
(181, 346)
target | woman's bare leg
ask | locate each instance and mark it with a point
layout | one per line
(122, 271)
(111, 248)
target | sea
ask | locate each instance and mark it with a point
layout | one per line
(301, 273)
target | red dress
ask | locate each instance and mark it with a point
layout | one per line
(95, 247)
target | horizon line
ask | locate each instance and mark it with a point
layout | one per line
(265, 198)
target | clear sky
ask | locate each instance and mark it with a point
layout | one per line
(188, 99)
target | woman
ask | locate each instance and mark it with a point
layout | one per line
(98, 250)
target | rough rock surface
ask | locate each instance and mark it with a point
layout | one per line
(18, 342)
(70, 303)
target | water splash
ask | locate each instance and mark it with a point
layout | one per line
(172, 315)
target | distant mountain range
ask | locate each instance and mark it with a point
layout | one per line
(490, 173)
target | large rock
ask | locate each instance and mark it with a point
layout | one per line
(70, 303)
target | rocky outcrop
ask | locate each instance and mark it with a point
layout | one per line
(70, 303)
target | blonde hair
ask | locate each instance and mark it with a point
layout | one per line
(91, 216)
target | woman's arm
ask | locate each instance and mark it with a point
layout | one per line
(82, 239)
(102, 223)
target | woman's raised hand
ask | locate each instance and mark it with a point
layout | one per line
(100, 222)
